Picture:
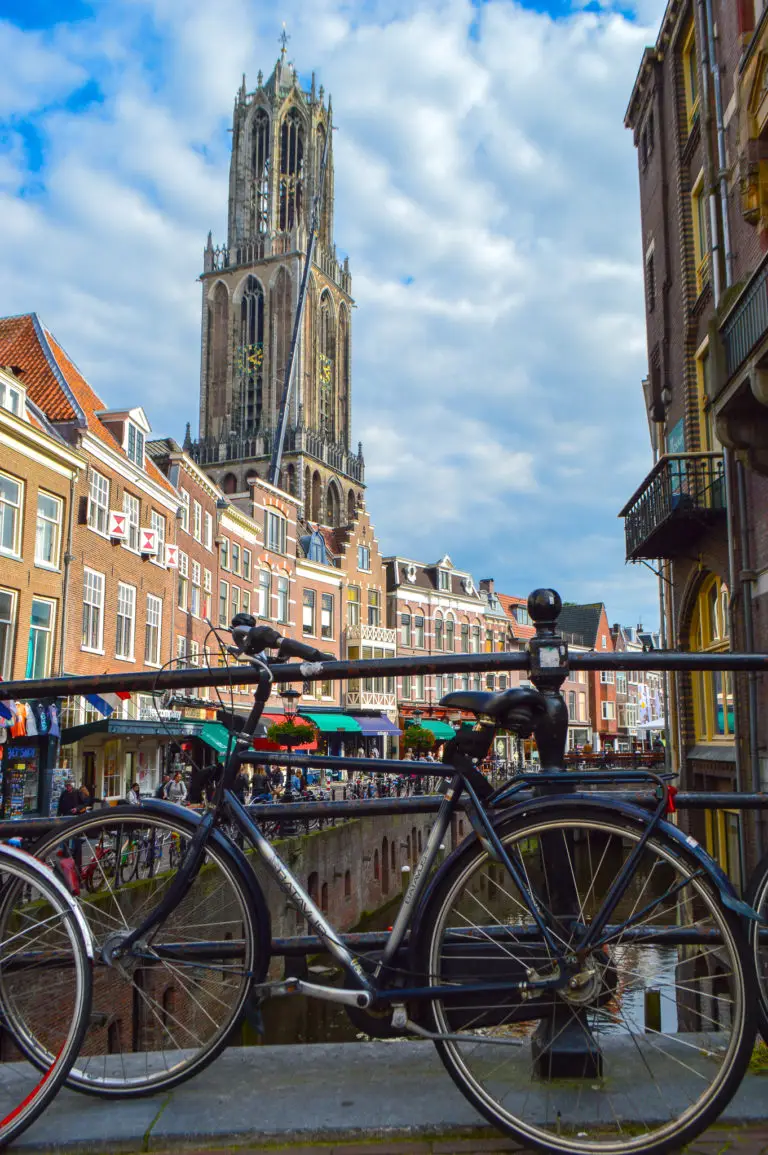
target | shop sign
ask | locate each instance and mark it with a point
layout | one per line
(118, 523)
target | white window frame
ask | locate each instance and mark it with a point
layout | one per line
(207, 594)
(308, 618)
(184, 509)
(134, 445)
(246, 606)
(444, 580)
(49, 633)
(153, 631)
(126, 601)
(608, 711)
(18, 507)
(208, 530)
(283, 594)
(607, 677)
(265, 594)
(197, 521)
(224, 554)
(364, 558)
(6, 651)
(223, 617)
(195, 598)
(98, 502)
(275, 532)
(8, 391)
(94, 583)
(235, 555)
(47, 521)
(182, 585)
(326, 616)
(247, 564)
(132, 511)
(157, 523)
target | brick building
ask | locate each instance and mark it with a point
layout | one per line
(586, 628)
(699, 125)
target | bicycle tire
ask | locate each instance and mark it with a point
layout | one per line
(188, 1009)
(38, 919)
(757, 897)
(612, 1112)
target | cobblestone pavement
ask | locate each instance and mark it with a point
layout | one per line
(718, 1140)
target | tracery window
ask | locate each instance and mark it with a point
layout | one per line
(249, 360)
(260, 171)
(291, 171)
(326, 370)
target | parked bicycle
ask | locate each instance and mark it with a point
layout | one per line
(581, 965)
(45, 945)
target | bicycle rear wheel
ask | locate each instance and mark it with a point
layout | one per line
(645, 1044)
(170, 1004)
(45, 988)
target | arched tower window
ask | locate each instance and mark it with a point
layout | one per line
(218, 328)
(280, 300)
(260, 171)
(249, 359)
(343, 376)
(316, 497)
(291, 171)
(325, 214)
(333, 505)
(326, 369)
(351, 506)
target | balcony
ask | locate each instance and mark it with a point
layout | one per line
(680, 498)
(362, 635)
(372, 693)
(747, 323)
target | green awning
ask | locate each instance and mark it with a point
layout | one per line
(442, 731)
(333, 723)
(217, 737)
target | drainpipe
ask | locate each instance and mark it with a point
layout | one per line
(69, 557)
(749, 639)
(738, 769)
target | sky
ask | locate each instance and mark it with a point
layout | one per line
(487, 197)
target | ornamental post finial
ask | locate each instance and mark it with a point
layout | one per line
(283, 41)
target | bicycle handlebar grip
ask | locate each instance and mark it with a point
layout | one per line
(253, 639)
(289, 648)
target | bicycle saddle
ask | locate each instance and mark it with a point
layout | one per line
(516, 709)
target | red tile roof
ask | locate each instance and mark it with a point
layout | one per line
(509, 602)
(55, 384)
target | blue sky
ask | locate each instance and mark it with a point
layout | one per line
(486, 193)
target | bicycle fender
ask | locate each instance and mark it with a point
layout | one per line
(580, 802)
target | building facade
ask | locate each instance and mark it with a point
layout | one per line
(699, 125)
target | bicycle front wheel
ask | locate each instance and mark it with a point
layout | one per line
(45, 988)
(169, 1005)
(649, 1037)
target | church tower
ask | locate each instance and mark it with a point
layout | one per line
(250, 296)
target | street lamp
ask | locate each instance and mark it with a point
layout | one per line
(416, 717)
(290, 698)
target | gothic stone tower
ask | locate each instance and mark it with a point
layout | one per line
(250, 294)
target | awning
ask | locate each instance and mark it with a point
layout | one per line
(333, 723)
(376, 725)
(217, 737)
(442, 731)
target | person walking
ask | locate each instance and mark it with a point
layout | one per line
(162, 789)
(69, 801)
(177, 791)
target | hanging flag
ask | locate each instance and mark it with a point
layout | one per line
(8, 710)
(106, 704)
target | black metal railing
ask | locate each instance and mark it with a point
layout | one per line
(747, 323)
(678, 499)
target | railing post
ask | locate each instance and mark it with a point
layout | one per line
(563, 1046)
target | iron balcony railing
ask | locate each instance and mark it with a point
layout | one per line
(680, 497)
(747, 323)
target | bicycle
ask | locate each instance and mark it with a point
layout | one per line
(46, 958)
(580, 964)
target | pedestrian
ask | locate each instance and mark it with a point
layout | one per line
(177, 791)
(242, 786)
(69, 801)
(162, 789)
(277, 778)
(261, 786)
(134, 795)
(85, 799)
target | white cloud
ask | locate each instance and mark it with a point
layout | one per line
(486, 194)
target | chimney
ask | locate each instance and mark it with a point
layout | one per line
(486, 585)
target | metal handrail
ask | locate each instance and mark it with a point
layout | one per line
(155, 680)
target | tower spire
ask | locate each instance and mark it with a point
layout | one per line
(284, 38)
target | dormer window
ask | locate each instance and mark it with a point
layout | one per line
(11, 398)
(443, 579)
(135, 445)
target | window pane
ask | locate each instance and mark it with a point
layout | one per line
(7, 617)
(10, 502)
(282, 599)
(40, 631)
(308, 614)
(47, 532)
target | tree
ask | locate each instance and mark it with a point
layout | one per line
(418, 738)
